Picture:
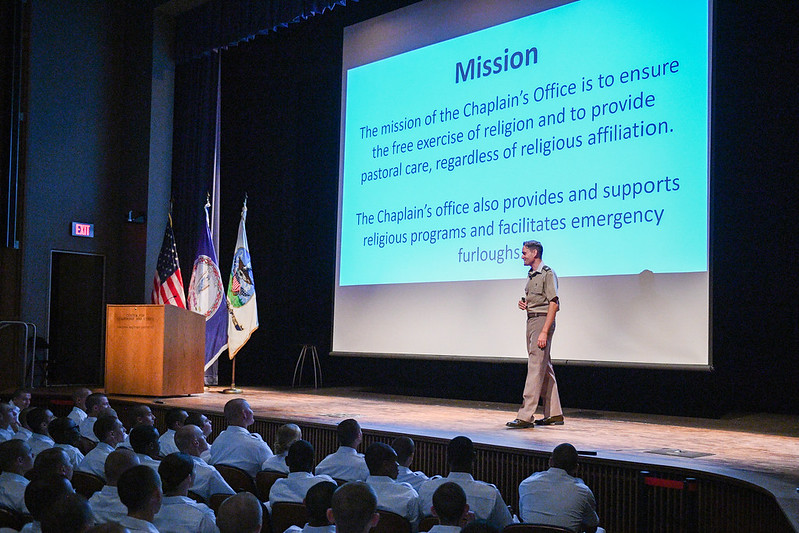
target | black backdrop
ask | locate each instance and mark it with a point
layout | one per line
(280, 128)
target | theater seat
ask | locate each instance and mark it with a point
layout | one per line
(86, 484)
(264, 481)
(391, 523)
(285, 514)
(238, 479)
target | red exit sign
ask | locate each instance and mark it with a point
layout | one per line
(80, 229)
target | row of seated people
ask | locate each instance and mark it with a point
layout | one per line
(384, 468)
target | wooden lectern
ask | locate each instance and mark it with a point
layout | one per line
(154, 350)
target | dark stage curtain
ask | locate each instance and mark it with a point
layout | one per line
(193, 141)
(220, 23)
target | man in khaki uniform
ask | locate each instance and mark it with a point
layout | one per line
(541, 303)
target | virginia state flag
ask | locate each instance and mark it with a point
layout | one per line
(207, 295)
(243, 311)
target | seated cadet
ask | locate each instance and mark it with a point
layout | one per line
(236, 446)
(66, 435)
(140, 492)
(353, 508)
(241, 513)
(78, 413)
(7, 421)
(204, 423)
(15, 461)
(405, 448)
(24, 431)
(144, 441)
(96, 404)
(110, 432)
(105, 503)
(69, 514)
(175, 418)
(49, 462)
(38, 420)
(40, 495)
(450, 507)
(138, 415)
(207, 479)
(179, 513)
(399, 498)
(317, 502)
(20, 399)
(287, 434)
(346, 463)
(300, 460)
(484, 499)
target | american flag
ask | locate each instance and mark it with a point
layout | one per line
(168, 283)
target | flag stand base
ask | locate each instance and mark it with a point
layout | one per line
(233, 389)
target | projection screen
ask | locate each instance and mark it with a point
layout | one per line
(470, 127)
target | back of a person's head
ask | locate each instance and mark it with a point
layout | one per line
(80, 394)
(136, 486)
(404, 446)
(287, 434)
(52, 461)
(174, 469)
(564, 456)
(175, 418)
(318, 501)
(142, 437)
(69, 514)
(11, 451)
(195, 419)
(300, 457)
(43, 491)
(104, 425)
(241, 513)
(184, 437)
(353, 507)
(233, 410)
(348, 431)
(460, 454)
(38, 417)
(449, 502)
(376, 455)
(22, 417)
(479, 526)
(64, 430)
(118, 462)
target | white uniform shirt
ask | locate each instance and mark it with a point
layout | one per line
(32, 527)
(167, 442)
(345, 463)
(276, 463)
(6, 434)
(555, 498)
(311, 529)
(148, 461)
(12, 491)
(135, 525)
(94, 462)
(414, 479)
(23, 434)
(39, 442)
(106, 505)
(208, 480)
(483, 498)
(238, 447)
(294, 487)
(399, 498)
(87, 428)
(74, 454)
(180, 514)
(78, 415)
(438, 528)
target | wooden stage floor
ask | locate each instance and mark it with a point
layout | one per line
(758, 448)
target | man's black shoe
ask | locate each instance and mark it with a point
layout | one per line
(520, 424)
(556, 420)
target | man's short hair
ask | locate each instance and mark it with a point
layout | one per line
(80, 393)
(449, 501)
(175, 416)
(136, 487)
(36, 417)
(535, 245)
(69, 514)
(300, 457)
(376, 455)
(50, 462)
(195, 419)
(141, 437)
(353, 506)
(94, 399)
(10, 451)
(241, 513)
(185, 435)
(564, 456)
(64, 430)
(118, 462)
(460, 452)
(317, 501)
(233, 409)
(287, 434)
(174, 469)
(404, 446)
(104, 425)
(348, 431)
(136, 412)
(22, 417)
(19, 393)
(42, 492)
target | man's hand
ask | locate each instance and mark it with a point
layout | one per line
(522, 305)
(542, 339)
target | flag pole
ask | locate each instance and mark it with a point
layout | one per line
(233, 389)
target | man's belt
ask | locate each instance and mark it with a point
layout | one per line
(533, 315)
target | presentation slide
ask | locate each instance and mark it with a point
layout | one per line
(583, 125)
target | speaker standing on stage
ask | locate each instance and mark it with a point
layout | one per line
(541, 303)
